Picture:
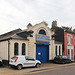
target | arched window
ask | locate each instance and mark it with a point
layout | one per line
(16, 49)
(23, 48)
(42, 32)
(56, 50)
(59, 50)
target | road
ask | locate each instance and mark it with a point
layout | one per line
(45, 69)
(69, 70)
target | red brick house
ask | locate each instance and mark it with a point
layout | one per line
(69, 42)
(67, 37)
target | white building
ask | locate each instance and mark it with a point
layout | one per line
(36, 41)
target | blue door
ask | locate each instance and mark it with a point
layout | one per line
(42, 53)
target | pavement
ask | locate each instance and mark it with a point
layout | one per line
(6, 70)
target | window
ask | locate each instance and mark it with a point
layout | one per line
(14, 58)
(56, 50)
(69, 39)
(59, 50)
(64, 57)
(23, 48)
(16, 49)
(58, 57)
(29, 58)
(42, 32)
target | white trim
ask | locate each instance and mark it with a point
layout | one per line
(70, 47)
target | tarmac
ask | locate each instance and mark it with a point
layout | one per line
(45, 66)
(7, 70)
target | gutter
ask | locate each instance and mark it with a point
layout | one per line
(8, 51)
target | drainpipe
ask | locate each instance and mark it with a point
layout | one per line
(8, 51)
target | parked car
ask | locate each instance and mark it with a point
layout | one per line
(24, 61)
(62, 59)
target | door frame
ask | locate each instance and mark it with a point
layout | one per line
(70, 48)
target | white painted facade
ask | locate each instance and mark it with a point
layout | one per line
(30, 43)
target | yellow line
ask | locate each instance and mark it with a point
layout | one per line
(49, 69)
(9, 72)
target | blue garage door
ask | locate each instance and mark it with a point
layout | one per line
(42, 53)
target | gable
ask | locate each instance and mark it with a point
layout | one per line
(41, 26)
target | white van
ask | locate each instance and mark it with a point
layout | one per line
(0, 61)
(24, 61)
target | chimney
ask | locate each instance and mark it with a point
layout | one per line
(29, 26)
(54, 23)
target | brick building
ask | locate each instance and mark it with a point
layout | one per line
(67, 37)
(69, 43)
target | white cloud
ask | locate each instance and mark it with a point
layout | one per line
(18, 13)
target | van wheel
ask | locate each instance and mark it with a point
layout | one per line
(19, 67)
(38, 65)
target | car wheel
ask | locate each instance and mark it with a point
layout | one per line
(38, 65)
(19, 67)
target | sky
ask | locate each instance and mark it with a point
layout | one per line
(16, 14)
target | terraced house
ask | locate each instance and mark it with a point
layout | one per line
(67, 37)
(36, 41)
(69, 43)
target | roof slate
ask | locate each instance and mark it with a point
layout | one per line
(57, 42)
(16, 34)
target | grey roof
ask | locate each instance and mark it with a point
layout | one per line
(56, 27)
(57, 42)
(70, 31)
(16, 34)
(10, 33)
